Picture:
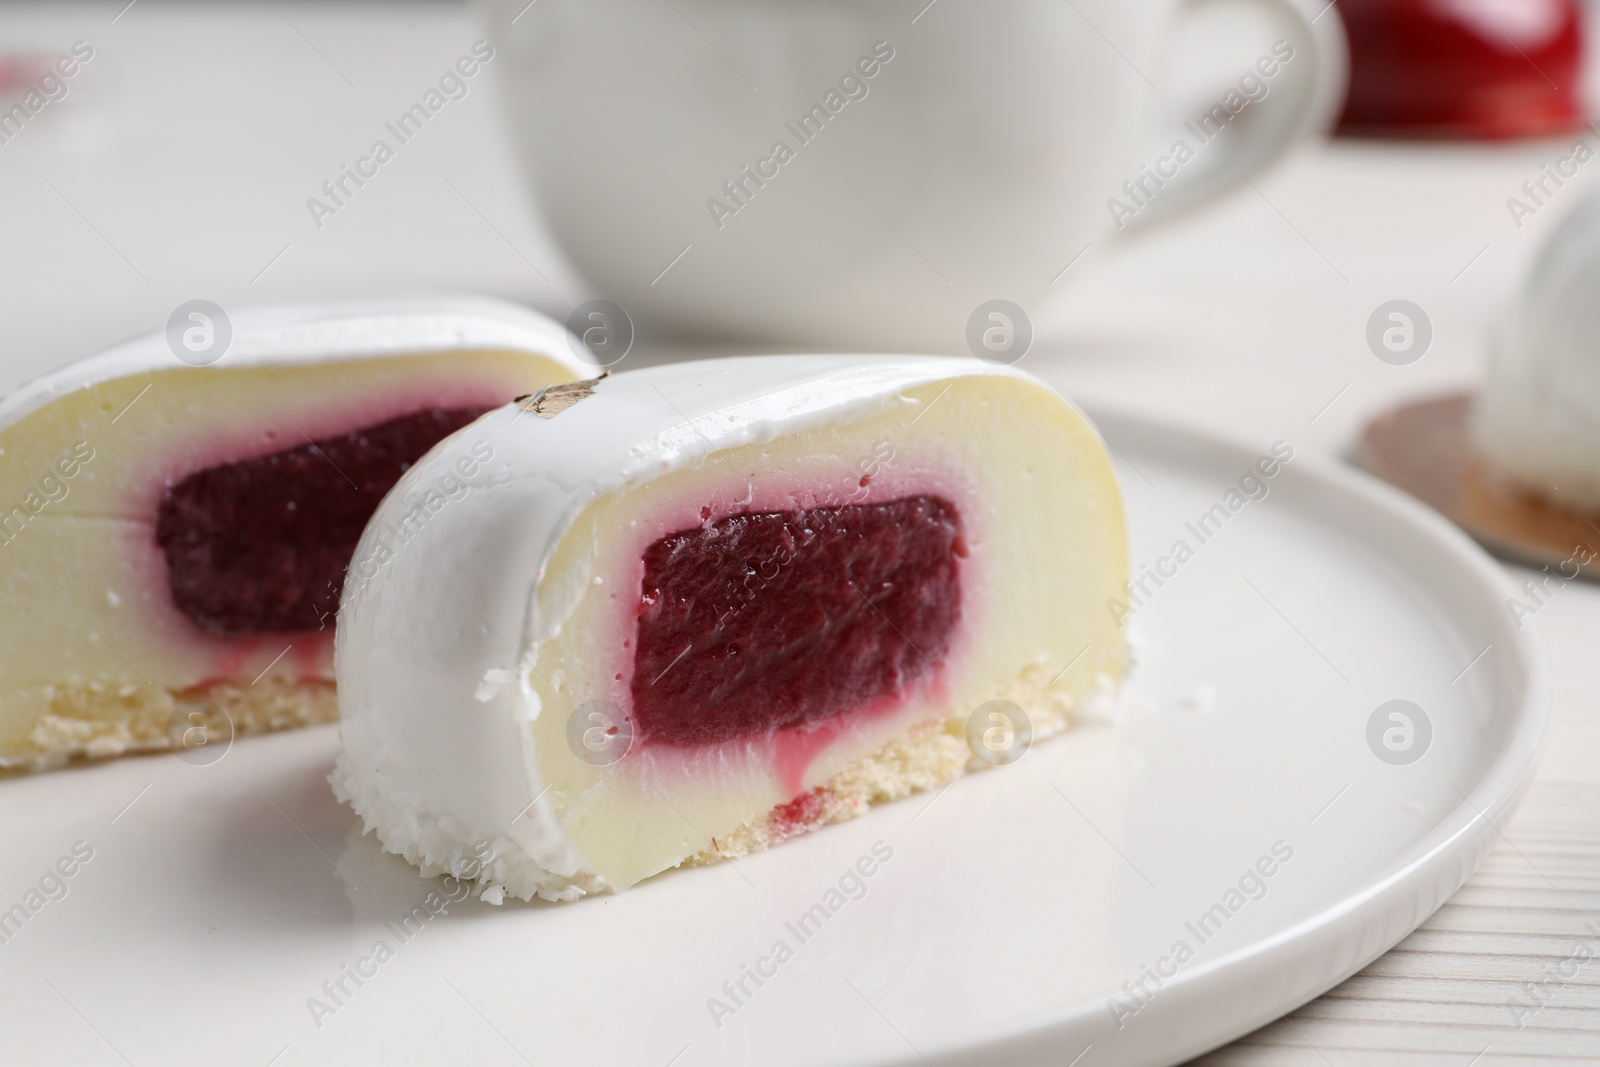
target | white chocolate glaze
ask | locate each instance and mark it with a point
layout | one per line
(320, 333)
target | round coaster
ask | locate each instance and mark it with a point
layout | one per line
(1425, 448)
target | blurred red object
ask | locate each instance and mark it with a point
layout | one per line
(1463, 68)
(20, 71)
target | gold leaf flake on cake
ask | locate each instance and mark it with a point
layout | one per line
(549, 402)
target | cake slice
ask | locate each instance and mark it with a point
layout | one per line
(174, 538)
(686, 612)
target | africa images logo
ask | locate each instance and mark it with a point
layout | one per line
(1252, 88)
(338, 191)
(852, 86)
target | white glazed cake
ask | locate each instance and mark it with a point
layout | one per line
(683, 613)
(1540, 407)
(173, 537)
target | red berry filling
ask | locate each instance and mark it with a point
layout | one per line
(261, 545)
(767, 621)
(803, 813)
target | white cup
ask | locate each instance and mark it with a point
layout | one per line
(867, 174)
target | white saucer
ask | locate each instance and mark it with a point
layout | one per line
(1014, 905)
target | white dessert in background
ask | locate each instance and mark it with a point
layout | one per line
(1540, 424)
(173, 537)
(685, 612)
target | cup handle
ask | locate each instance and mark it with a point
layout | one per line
(1305, 98)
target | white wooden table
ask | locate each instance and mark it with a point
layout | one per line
(182, 167)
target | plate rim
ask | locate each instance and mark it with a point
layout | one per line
(1400, 894)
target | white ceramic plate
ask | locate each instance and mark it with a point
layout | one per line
(1015, 905)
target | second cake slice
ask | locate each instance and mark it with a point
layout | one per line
(173, 538)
